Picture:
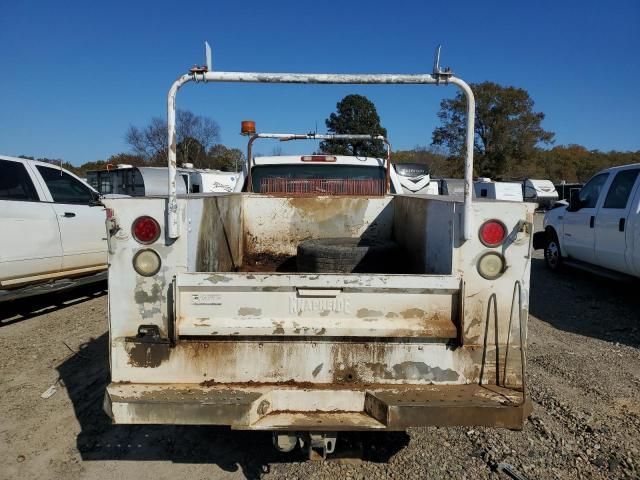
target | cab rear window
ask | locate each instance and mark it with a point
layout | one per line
(318, 179)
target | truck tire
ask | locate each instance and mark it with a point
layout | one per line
(348, 255)
(552, 255)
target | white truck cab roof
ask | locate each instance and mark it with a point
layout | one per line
(331, 160)
(629, 166)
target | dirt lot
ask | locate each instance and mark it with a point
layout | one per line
(584, 378)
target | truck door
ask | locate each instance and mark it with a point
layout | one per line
(578, 240)
(82, 227)
(611, 219)
(30, 242)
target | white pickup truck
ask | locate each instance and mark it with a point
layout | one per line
(599, 230)
(52, 223)
(306, 306)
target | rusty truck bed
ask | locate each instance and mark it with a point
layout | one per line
(435, 345)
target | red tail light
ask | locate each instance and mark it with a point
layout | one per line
(492, 233)
(318, 158)
(145, 229)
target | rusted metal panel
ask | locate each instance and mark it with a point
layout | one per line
(283, 407)
(179, 405)
(316, 421)
(215, 233)
(486, 348)
(302, 305)
(278, 224)
(133, 299)
(302, 360)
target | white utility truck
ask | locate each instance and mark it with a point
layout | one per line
(303, 312)
(52, 227)
(599, 230)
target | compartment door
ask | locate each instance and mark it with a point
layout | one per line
(278, 305)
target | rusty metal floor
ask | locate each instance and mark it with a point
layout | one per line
(327, 408)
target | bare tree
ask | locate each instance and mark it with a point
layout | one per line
(194, 133)
(148, 141)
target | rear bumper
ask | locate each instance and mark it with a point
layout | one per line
(317, 408)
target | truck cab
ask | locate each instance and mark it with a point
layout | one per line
(600, 227)
(334, 174)
(52, 222)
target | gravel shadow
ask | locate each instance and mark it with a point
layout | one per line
(583, 303)
(86, 375)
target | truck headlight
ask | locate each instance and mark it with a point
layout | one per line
(146, 262)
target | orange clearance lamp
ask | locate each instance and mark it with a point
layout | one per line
(248, 127)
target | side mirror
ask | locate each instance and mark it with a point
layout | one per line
(575, 203)
(95, 200)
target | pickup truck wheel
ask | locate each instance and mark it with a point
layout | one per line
(552, 256)
(348, 255)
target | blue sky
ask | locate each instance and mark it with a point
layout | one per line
(75, 75)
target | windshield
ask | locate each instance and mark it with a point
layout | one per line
(318, 179)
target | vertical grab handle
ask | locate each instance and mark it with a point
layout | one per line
(517, 287)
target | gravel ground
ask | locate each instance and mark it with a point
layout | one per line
(583, 376)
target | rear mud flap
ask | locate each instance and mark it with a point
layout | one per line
(540, 240)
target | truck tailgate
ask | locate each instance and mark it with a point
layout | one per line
(246, 304)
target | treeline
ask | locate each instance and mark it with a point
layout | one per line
(218, 157)
(198, 143)
(571, 163)
(509, 143)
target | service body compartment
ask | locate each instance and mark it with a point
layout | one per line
(239, 337)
